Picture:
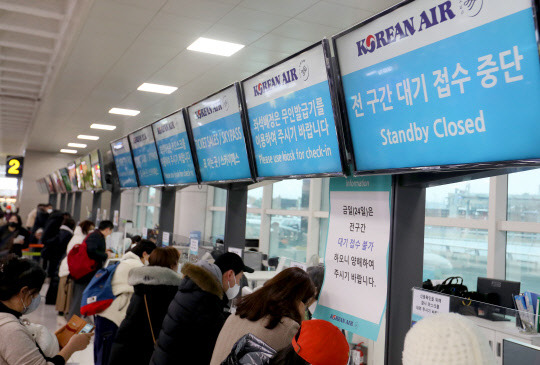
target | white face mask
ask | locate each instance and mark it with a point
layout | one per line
(33, 305)
(233, 292)
(49, 211)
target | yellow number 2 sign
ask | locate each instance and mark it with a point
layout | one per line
(14, 166)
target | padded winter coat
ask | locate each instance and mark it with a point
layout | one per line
(250, 350)
(134, 344)
(193, 321)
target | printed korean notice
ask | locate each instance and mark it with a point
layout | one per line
(426, 303)
(353, 295)
(436, 82)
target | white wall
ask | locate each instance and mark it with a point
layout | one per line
(190, 210)
(37, 164)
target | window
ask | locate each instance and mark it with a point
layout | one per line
(288, 237)
(146, 209)
(468, 199)
(218, 225)
(220, 197)
(524, 196)
(523, 259)
(323, 236)
(255, 197)
(253, 226)
(291, 194)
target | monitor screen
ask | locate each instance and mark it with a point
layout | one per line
(124, 163)
(174, 150)
(50, 186)
(504, 289)
(85, 173)
(218, 132)
(95, 160)
(518, 353)
(65, 179)
(291, 117)
(72, 174)
(440, 94)
(146, 157)
(57, 182)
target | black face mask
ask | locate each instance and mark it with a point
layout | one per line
(13, 224)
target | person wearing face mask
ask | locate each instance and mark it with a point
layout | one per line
(13, 237)
(42, 215)
(155, 287)
(272, 313)
(198, 311)
(96, 249)
(20, 283)
(108, 321)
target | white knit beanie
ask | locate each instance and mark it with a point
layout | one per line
(446, 339)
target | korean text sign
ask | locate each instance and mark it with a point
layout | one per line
(219, 137)
(442, 83)
(353, 296)
(291, 118)
(427, 303)
(174, 150)
(124, 163)
(146, 157)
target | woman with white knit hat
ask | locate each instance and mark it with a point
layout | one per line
(446, 339)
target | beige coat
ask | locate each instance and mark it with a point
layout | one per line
(17, 347)
(236, 327)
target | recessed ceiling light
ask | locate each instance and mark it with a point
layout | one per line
(121, 111)
(105, 127)
(213, 46)
(84, 136)
(155, 88)
(77, 145)
(63, 150)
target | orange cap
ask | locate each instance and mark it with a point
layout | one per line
(321, 343)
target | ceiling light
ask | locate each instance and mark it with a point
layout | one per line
(84, 136)
(105, 127)
(63, 150)
(121, 111)
(155, 88)
(213, 46)
(77, 145)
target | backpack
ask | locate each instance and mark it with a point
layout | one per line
(98, 295)
(79, 263)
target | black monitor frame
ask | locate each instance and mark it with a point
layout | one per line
(132, 161)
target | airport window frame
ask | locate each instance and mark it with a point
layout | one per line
(141, 205)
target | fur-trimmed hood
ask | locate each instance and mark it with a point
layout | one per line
(154, 275)
(204, 279)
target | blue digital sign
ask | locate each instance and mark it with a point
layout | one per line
(124, 163)
(174, 150)
(291, 118)
(146, 157)
(443, 83)
(217, 129)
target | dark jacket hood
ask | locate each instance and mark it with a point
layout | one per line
(153, 275)
(203, 279)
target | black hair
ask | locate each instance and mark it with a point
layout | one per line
(19, 220)
(144, 246)
(287, 356)
(69, 222)
(136, 239)
(16, 273)
(316, 273)
(105, 224)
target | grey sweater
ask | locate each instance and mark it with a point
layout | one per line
(17, 347)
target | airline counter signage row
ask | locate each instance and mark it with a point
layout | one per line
(442, 83)
(291, 117)
(217, 126)
(174, 150)
(124, 163)
(145, 155)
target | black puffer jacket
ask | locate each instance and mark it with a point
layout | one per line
(194, 320)
(134, 343)
(250, 350)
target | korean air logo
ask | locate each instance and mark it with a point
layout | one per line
(303, 69)
(225, 103)
(470, 8)
(350, 323)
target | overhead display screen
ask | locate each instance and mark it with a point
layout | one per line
(291, 118)
(85, 173)
(174, 150)
(442, 83)
(216, 123)
(124, 163)
(72, 174)
(57, 182)
(65, 179)
(50, 185)
(146, 157)
(95, 160)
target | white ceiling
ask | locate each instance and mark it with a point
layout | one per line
(113, 46)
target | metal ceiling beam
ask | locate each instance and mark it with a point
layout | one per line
(19, 103)
(20, 112)
(21, 71)
(15, 115)
(18, 96)
(31, 11)
(29, 61)
(26, 47)
(18, 88)
(21, 81)
(29, 31)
